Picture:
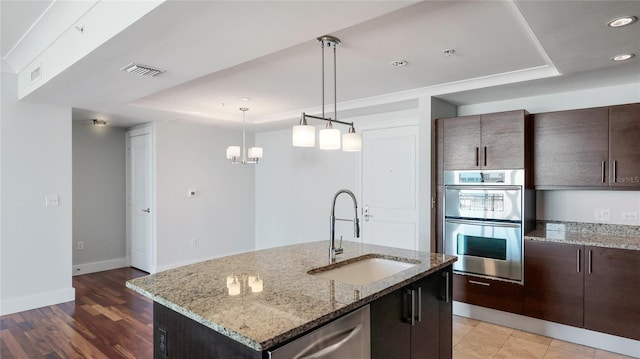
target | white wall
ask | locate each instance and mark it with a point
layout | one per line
(99, 197)
(35, 242)
(574, 205)
(294, 190)
(221, 216)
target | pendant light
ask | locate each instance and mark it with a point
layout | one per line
(239, 155)
(303, 135)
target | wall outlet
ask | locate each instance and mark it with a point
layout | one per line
(602, 214)
(80, 245)
(194, 242)
(192, 193)
(630, 216)
(52, 200)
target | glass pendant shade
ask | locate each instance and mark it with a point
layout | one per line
(255, 152)
(233, 151)
(304, 136)
(352, 142)
(330, 139)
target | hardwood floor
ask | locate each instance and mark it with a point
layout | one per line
(106, 320)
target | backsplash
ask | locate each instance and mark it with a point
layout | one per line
(594, 228)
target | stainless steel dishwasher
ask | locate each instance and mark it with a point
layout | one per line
(345, 337)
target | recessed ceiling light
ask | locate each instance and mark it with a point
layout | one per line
(243, 99)
(399, 63)
(623, 57)
(622, 21)
(448, 52)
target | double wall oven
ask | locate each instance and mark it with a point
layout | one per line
(486, 216)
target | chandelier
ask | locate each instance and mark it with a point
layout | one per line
(304, 135)
(242, 156)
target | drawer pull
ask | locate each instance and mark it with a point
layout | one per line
(477, 157)
(604, 179)
(479, 283)
(590, 264)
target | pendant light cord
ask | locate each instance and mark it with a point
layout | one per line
(335, 85)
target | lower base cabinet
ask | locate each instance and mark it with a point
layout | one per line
(588, 287)
(415, 321)
(489, 293)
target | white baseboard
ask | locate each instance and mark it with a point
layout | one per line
(567, 333)
(37, 301)
(100, 266)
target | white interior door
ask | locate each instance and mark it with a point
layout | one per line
(140, 201)
(389, 189)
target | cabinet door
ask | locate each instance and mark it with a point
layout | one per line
(571, 148)
(502, 140)
(553, 282)
(612, 291)
(624, 145)
(461, 142)
(390, 333)
(425, 334)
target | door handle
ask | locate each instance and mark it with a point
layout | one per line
(615, 171)
(365, 213)
(148, 210)
(409, 312)
(578, 260)
(485, 155)
(602, 170)
(324, 352)
(419, 317)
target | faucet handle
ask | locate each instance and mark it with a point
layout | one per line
(339, 250)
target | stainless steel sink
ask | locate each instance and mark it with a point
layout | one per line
(363, 270)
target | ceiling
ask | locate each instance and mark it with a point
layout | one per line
(215, 52)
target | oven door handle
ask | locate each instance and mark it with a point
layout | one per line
(483, 187)
(483, 223)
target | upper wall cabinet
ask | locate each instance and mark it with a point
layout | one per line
(596, 147)
(624, 145)
(491, 141)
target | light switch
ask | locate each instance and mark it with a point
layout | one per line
(52, 200)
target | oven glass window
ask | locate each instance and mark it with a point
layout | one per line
(484, 202)
(486, 247)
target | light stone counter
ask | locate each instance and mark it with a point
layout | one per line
(292, 302)
(590, 234)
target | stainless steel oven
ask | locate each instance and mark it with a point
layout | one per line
(485, 216)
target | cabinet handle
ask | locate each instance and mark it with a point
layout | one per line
(477, 157)
(602, 171)
(447, 298)
(589, 264)
(410, 316)
(479, 283)
(485, 155)
(578, 260)
(419, 304)
(615, 171)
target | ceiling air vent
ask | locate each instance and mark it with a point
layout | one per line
(143, 70)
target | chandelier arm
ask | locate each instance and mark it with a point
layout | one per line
(326, 119)
(322, 45)
(335, 86)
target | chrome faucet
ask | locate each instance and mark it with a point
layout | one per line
(333, 251)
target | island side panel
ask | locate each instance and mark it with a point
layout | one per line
(187, 338)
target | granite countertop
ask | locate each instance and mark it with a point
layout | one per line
(591, 234)
(292, 302)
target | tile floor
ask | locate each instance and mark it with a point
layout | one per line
(473, 339)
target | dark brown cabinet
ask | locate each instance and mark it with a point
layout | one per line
(488, 293)
(571, 148)
(415, 321)
(583, 286)
(624, 145)
(554, 282)
(595, 147)
(490, 141)
(612, 291)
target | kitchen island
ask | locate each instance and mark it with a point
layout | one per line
(276, 300)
